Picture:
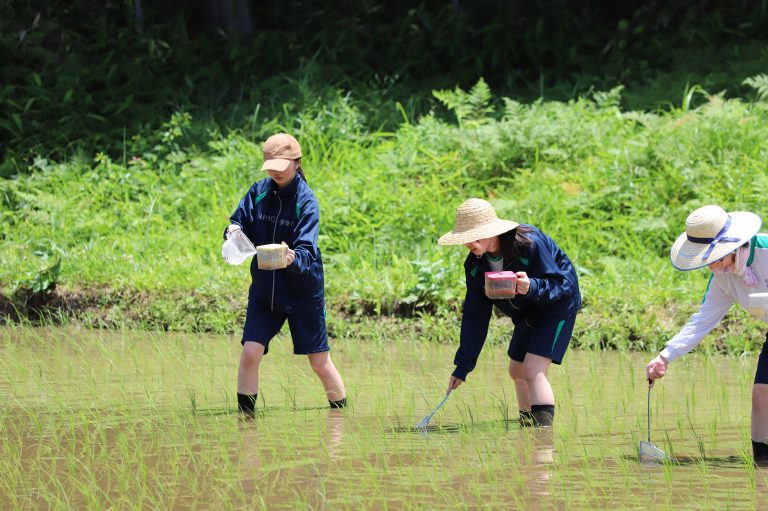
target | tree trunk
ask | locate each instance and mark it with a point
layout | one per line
(231, 16)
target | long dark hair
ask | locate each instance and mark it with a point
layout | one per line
(301, 171)
(513, 243)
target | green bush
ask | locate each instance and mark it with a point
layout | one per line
(612, 187)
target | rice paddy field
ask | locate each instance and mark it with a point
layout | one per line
(128, 139)
(100, 419)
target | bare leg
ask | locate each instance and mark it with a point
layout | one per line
(760, 412)
(521, 385)
(248, 373)
(332, 383)
(539, 390)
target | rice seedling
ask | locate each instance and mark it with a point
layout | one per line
(104, 415)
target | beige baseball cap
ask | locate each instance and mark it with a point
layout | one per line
(279, 151)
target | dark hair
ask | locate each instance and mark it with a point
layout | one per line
(513, 243)
(300, 170)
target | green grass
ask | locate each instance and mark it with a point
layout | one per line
(138, 239)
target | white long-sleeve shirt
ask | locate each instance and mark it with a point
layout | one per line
(723, 291)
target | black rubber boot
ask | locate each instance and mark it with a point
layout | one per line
(246, 403)
(760, 453)
(526, 419)
(341, 403)
(543, 415)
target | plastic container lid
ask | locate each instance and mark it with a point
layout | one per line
(499, 275)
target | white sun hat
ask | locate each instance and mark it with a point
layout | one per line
(711, 234)
(475, 219)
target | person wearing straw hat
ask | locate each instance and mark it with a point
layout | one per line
(730, 245)
(283, 208)
(543, 305)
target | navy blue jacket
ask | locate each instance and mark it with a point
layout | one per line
(268, 214)
(554, 293)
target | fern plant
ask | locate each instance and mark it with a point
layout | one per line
(760, 84)
(608, 99)
(470, 108)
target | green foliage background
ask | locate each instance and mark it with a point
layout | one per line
(123, 161)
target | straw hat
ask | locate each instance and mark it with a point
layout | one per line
(279, 151)
(711, 234)
(475, 219)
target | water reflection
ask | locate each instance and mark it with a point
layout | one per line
(537, 447)
(249, 456)
(258, 457)
(334, 429)
(761, 484)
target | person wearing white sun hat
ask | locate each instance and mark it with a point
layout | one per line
(731, 246)
(542, 306)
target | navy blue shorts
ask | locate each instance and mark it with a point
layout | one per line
(761, 375)
(548, 338)
(306, 322)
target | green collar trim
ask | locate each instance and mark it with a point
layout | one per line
(758, 241)
(751, 251)
(494, 259)
(709, 283)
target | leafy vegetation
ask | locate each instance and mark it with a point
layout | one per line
(127, 145)
(613, 187)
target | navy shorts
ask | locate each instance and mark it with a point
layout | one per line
(548, 338)
(306, 322)
(761, 375)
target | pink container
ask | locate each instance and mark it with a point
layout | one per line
(500, 284)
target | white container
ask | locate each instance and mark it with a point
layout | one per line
(272, 257)
(237, 248)
(758, 304)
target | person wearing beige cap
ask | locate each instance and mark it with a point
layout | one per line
(283, 209)
(543, 303)
(730, 245)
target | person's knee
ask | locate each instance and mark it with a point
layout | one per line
(535, 367)
(531, 373)
(760, 398)
(253, 352)
(322, 366)
(516, 371)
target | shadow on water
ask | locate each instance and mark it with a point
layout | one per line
(502, 425)
(260, 412)
(689, 461)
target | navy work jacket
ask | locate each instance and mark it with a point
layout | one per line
(554, 293)
(268, 214)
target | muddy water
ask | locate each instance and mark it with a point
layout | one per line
(94, 419)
